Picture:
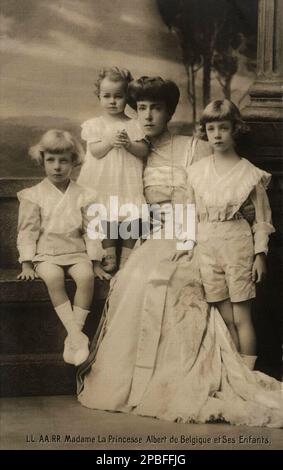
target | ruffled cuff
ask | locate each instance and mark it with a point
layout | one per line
(262, 232)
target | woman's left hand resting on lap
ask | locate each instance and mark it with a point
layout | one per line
(188, 254)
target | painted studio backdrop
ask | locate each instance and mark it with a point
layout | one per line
(51, 53)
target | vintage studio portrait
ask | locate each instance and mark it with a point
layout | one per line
(141, 224)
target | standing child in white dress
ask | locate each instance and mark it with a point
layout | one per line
(231, 253)
(52, 237)
(114, 161)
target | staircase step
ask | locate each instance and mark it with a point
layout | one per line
(14, 290)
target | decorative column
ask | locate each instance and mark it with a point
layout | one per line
(265, 111)
(264, 147)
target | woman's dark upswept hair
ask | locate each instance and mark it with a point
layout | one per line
(222, 110)
(154, 89)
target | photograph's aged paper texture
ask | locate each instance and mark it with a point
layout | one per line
(51, 55)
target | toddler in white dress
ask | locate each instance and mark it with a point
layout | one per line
(114, 164)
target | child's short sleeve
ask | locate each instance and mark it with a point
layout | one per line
(92, 130)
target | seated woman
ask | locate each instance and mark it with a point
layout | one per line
(162, 352)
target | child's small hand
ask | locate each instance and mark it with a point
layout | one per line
(114, 140)
(28, 273)
(99, 271)
(124, 139)
(259, 268)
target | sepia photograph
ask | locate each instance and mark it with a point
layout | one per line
(141, 227)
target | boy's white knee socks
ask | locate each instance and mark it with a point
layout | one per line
(80, 315)
(76, 344)
(65, 313)
(249, 360)
(82, 353)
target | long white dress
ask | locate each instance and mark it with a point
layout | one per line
(162, 352)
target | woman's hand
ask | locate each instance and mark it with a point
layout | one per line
(114, 140)
(99, 271)
(120, 139)
(182, 253)
(28, 273)
(123, 139)
(259, 268)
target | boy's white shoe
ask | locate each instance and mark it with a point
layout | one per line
(68, 353)
(76, 350)
(81, 352)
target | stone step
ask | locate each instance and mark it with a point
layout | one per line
(14, 290)
(32, 337)
(41, 374)
(31, 347)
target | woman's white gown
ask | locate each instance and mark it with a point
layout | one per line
(163, 353)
